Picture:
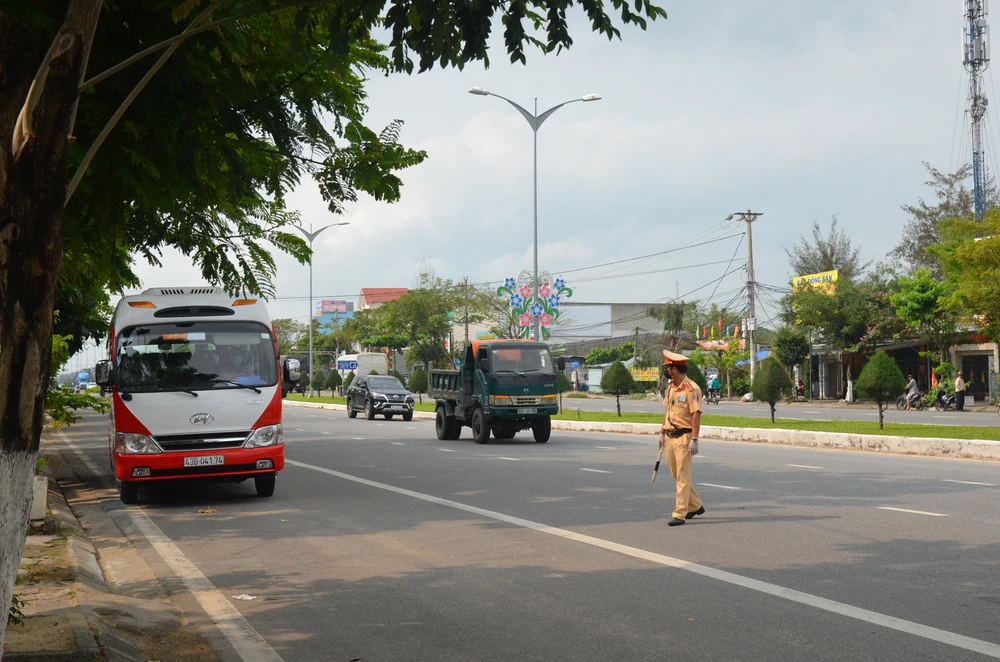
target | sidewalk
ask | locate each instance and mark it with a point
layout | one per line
(73, 612)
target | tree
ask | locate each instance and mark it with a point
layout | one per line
(332, 381)
(927, 306)
(771, 383)
(418, 383)
(922, 230)
(618, 380)
(288, 332)
(319, 382)
(421, 317)
(203, 158)
(599, 355)
(834, 251)
(791, 346)
(564, 385)
(969, 251)
(348, 379)
(881, 380)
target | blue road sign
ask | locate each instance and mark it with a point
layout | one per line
(574, 364)
(347, 365)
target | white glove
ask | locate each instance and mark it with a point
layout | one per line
(694, 445)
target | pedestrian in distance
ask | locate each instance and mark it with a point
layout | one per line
(679, 434)
(959, 393)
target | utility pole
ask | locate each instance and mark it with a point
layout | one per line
(465, 290)
(750, 325)
(976, 58)
(635, 346)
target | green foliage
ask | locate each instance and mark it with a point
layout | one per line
(332, 381)
(14, 614)
(696, 375)
(974, 268)
(741, 386)
(926, 306)
(397, 375)
(288, 332)
(826, 253)
(600, 355)
(791, 346)
(617, 380)
(348, 380)
(772, 383)
(882, 381)
(418, 381)
(564, 383)
(318, 381)
(379, 341)
(421, 317)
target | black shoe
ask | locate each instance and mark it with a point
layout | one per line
(675, 522)
(700, 511)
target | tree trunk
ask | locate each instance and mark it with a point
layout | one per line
(772, 414)
(881, 411)
(618, 402)
(33, 177)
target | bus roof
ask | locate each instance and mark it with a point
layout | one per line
(166, 304)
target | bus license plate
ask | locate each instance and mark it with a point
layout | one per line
(204, 460)
(526, 410)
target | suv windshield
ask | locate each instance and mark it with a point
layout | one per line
(380, 383)
(195, 356)
(522, 360)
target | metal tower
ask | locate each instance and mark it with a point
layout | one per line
(976, 58)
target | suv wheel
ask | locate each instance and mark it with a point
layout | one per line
(369, 411)
(351, 411)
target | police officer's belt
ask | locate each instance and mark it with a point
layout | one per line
(678, 432)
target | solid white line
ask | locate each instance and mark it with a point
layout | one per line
(596, 471)
(891, 622)
(968, 482)
(510, 459)
(247, 642)
(803, 466)
(447, 450)
(912, 512)
(724, 487)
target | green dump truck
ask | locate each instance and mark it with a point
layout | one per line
(501, 387)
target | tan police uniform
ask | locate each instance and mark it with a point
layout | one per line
(681, 403)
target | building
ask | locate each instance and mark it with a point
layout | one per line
(373, 297)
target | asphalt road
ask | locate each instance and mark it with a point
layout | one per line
(383, 543)
(802, 411)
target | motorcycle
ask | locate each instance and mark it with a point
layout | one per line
(916, 401)
(944, 401)
(713, 396)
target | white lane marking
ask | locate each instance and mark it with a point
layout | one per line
(249, 645)
(410, 427)
(396, 443)
(510, 459)
(446, 450)
(812, 412)
(325, 432)
(359, 438)
(968, 482)
(596, 471)
(850, 611)
(301, 429)
(912, 512)
(724, 487)
(607, 448)
(803, 466)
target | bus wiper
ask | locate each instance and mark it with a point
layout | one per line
(229, 381)
(160, 387)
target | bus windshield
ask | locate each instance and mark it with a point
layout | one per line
(192, 356)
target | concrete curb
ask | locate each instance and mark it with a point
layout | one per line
(974, 449)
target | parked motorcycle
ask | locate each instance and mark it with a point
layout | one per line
(944, 401)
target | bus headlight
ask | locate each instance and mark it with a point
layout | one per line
(135, 444)
(269, 435)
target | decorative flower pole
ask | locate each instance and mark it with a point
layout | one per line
(525, 308)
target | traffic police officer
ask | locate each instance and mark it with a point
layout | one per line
(679, 434)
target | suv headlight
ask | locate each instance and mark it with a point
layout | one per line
(135, 444)
(379, 395)
(269, 435)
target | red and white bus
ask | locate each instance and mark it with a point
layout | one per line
(195, 381)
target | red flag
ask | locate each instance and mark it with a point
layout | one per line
(720, 322)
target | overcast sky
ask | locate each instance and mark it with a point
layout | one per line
(799, 110)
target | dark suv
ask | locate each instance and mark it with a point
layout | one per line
(378, 394)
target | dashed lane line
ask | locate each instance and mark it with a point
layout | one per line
(968, 482)
(510, 459)
(803, 466)
(721, 487)
(397, 443)
(447, 450)
(596, 471)
(912, 512)
(248, 643)
(891, 622)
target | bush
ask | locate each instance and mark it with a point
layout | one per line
(695, 374)
(617, 380)
(772, 383)
(318, 382)
(418, 381)
(881, 381)
(741, 386)
(332, 381)
(395, 373)
(348, 380)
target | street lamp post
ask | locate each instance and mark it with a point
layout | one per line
(535, 122)
(310, 235)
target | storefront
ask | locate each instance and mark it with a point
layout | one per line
(977, 362)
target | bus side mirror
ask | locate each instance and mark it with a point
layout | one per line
(102, 373)
(292, 370)
(484, 365)
(561, 363)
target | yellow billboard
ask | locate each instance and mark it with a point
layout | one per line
(645, 374)
(824, 280)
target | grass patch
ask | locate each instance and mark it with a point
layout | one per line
(428, 405)
(848, 427)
